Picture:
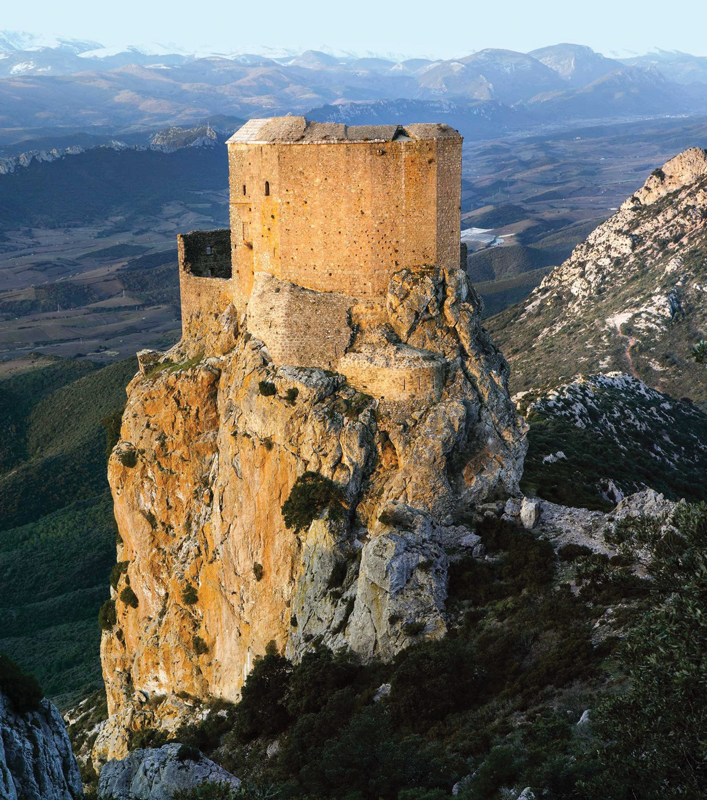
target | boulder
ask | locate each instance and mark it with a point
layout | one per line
(529, 513)
(157, 774)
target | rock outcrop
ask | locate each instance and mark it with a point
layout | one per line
(630, 298)
(158, 774)
(211, 446)
(36, 762)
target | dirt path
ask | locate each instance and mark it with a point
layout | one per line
(630, 342)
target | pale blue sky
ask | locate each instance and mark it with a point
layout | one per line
(438, 29)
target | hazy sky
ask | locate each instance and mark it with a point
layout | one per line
(439, 29)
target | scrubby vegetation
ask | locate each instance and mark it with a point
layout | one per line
(633, 459)
(309, 496)
(129, 597)
(267, 388)
(495, 705)
(190, 596)
(107, 616)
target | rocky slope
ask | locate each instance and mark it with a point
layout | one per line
(214, 438)
(630, 298)
(596, 439)
(36, 762)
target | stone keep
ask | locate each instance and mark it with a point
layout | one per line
(322, 216)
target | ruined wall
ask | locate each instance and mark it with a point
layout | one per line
(203, 299)
(342, 217)
(206, 254)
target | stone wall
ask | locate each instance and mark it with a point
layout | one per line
(342, 217)
(203, 299)
(401, 375)
(299, 327)
(206, 254)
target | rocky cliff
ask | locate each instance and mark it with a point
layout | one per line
(214, 438)
(36, 762)
(630, 298)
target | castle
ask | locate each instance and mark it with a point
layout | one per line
(322, 216)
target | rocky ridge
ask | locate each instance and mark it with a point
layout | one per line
(36, 762)
(214, 437)
(630, 298)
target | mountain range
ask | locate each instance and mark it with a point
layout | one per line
(62, 82)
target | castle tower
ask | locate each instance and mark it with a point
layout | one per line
(322, 215)
(339, 209)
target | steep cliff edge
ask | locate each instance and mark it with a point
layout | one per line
(213, 442)
(630, 298)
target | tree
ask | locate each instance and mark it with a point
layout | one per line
(699, 352)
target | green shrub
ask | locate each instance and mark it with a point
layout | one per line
(187, 753)
(262, 710)
(118, 570)
(267, 388)
(319, 675)
(147, 738)
(572, 551)
(112, 424)
(431, 680)
(129, 597)
(21, 689)
(199, 645)
(291, 395)
(413, 628)
(209, 790)
(258, 571)
(107, 616)
(189, 595)
(309, 496)
(128, 458)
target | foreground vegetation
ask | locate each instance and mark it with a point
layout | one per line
(498, 705)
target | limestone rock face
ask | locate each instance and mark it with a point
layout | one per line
(630, 298)
(157, 774)
(209, 452)
(36, 762)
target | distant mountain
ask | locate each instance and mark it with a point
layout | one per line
(629, 91)
(492, 74)
(11, 41)
(106, 181)
(575, 63)
(48, 83)
(630, 298)
(679, 67)
(475, 119)
(314, 59)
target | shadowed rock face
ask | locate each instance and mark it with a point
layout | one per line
(36, 762)
(209, 452)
